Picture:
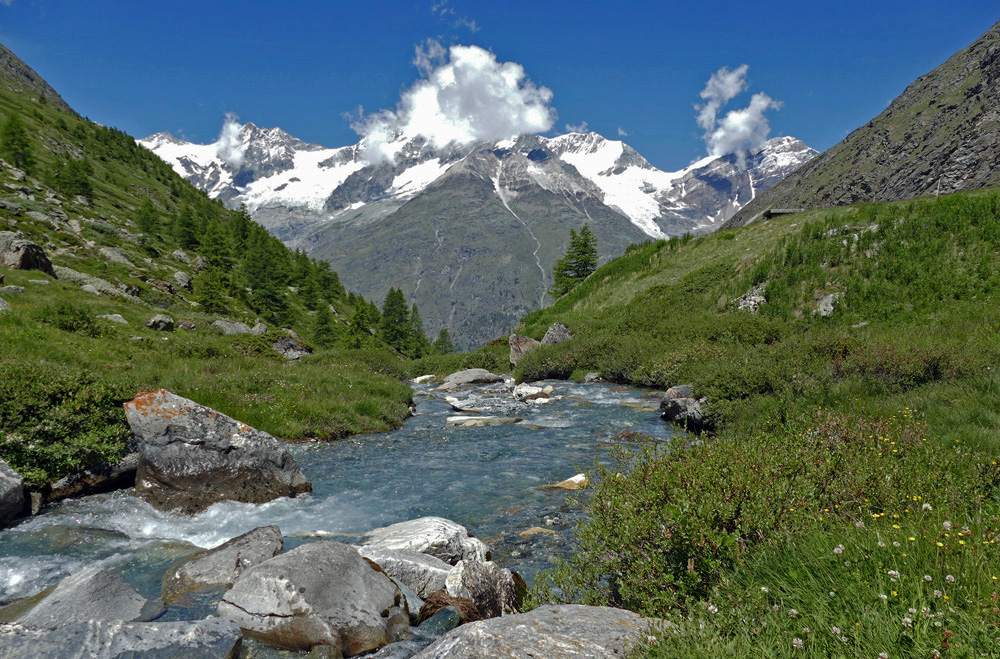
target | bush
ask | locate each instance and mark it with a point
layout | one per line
(70, 317)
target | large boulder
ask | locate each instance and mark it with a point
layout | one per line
(681, 407)
(289, 348)
(422, 573)
(232, 327)
(321, 593)
(97, 479)
(20, 254)
(12, 501)
(436, 536)
(471, 376)
(487, 584)
(519, 346)
(553, 632)
(192, 456)
(161, 322)
(91, 594)
(214, 638)
(557, 333)
(220, 567)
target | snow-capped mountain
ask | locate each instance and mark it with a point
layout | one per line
(470, 233)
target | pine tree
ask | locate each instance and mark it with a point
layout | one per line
(15, 146)
(184, 229)
(417, 343)
(323, 333)
(145, 217)
(443, 343)
(210, 290)
(395, 327)
(578, 263)
(311, 292)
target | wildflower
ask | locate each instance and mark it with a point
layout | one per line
(907, 622)
(839, 549)
(950, 579)
(797, 643)
(883, 596)
(938, 593)
(775, 608)
(712, 608)
(946, 525)
(894, 574)
(883, 655)
(859, 524)
(792, 613)
(805, 630)
(927, 577)
(926, 506)
(836, 630)
(881, 544)
(895, 544)
(763, 589)
(843, 639)
(935, 654)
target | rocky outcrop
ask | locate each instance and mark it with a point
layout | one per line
(114, 256)
(93, 594)
(488, 585)
(436, 536)
(289, 348)
(557, 333)
(232, 327)
(321, 593)
(21, 254)
(161, 323)
(192, 456)
(220, 567)
(114, 318)
(520, 346)
(681, 407)
(214, 638)
(183, 280)
(752, 299)
(12, 501)
(96, 284)
(552, 632)
(420, 572)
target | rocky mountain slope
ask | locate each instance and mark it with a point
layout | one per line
(17, 76)
(938, 136)
(469, 233)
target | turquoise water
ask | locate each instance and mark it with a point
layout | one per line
(486, 478)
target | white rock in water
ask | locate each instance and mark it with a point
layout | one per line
(574, 483)
(423, 378)
(476, 421)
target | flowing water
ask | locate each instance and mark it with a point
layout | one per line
(486, 478)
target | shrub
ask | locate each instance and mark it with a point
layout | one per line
(71, 317)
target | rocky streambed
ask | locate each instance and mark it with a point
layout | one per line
(489, 477)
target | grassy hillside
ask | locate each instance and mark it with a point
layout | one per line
(852, 482)
(113, 216)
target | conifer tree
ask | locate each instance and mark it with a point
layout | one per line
(184, 228)
(578, 263)
(210, 288)
(417, 343)
(394, 327)
(443, 342)
(323, 332)
(15, 146)
(145, 217)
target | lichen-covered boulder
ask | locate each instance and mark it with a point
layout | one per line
(222, 565)
(519, 346)
(321, 593)
(191, 456)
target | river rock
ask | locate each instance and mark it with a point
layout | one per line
(487, 584)
(4, 307)
(21, 254)
(183, 280)
(232, 327)
(192, 456)
(289, 348)
(572, 483)
(487, 402)
(321, 593)
(679, 406)
(12, 501)
(557, 333)
(519, 346)
(436, 536)
(161, 323)
(569, 631)
(471, 376)
(214, 638)
(480, 421)
(423, 573)
(420, 379)
(224, 564)
(114, 318)
(102, 478)
(91, 594)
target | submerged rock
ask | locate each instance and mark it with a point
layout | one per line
(224, 564)
(93, 594)
(572, 483)
(213, 638)
(436, 536)
(552, 632)
(192, 456)
(478, 421)
(321, 593)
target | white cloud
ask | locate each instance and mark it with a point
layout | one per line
(739, 131)
(229, 147)
(464, 95)
(622, 132)
(465, 22)
(582, 127)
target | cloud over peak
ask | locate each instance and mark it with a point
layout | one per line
(739, 131)
(228, 146)
(464, 95)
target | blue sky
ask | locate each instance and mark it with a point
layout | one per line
(181, 66)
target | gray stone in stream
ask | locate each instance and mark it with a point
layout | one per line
(102, 478)
(192, 456)
(419, 571)
(93, 594)
(232, 327)
(520, 346)
(679, 406)
(21, 254)
(554, 632)
(490, 586)
(114, 318)
(183, 280)
(592, 377)
(472, 376)
(321, 593)
(12, 501)
(436, 536)
(214, 638)
(557, 333)
(224, 564)
(480, 421)
(161, 323)
(4, 307)
(488, 403)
